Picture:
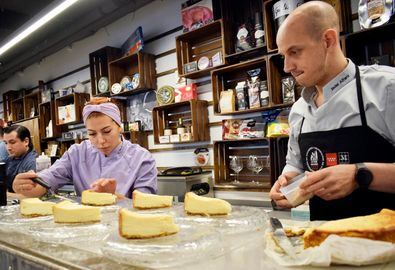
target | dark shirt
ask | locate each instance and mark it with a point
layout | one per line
(19, 165)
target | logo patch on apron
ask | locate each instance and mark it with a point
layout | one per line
(314, 159)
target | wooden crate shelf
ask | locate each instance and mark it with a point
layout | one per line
(377, 42)
(236, 13)
(193, 112)
(224, 176)
(8, 97)
(98, 65)
(141, 63)
(227, 77)
(205, 41)
(47, 113)
(31, 102)
(17, 109)
(78, 99)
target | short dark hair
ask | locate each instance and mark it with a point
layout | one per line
(21, 132)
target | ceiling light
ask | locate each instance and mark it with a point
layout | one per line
(36, 25)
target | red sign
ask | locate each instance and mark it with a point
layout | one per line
(331, 159)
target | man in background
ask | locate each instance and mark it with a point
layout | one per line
(3, 147)
(22, 157)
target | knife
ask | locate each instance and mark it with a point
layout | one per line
(44, 184)
(283, 241)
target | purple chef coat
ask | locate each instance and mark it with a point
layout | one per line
(132, 166)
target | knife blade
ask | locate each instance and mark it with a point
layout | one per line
(44, 184)
(283, 241)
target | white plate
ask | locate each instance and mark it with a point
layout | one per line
(191, 243)
(116, 88)
(102, 84)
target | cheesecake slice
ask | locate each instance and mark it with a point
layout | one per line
(89, 197)
(197, 205)
(34, 207)
(133, 225)
(380, 226)
(149, 201)
(68, 212)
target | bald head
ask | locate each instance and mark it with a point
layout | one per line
(314, 16)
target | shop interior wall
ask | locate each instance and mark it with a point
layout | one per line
(155, 18)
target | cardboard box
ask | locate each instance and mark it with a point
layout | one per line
(164, 139)
(175, 138)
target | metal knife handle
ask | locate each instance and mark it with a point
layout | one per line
(41, 182)
(276, 224)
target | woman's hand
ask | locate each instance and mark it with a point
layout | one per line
(108, 185)
(275, 193)
(24, 185)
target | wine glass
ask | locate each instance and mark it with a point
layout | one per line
(267, 162)
(255, 164)
(236, 164)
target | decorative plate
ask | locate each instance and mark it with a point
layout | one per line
(125, 80)
(102, 84)
(116, 88)
(136, 80)
(165, 95)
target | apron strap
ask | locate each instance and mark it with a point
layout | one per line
(360, 99)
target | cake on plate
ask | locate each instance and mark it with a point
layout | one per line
(68, 212)
(150, 201)
(34, 207)
(134, 225)
(380, 226)
(89, 197)
(198, 205)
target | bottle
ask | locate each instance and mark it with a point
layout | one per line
(167, 131)
(259, 32)
(3, 185)
(180, 127)
(42, 162)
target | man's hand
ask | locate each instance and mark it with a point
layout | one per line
(330, 183)
(275, 193)
(108, 185)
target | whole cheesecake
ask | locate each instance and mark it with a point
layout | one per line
(89, 197)
(34, 207)
(68, 212)
(198, 205)
(133, 225)
(380, 226)
(150, 201)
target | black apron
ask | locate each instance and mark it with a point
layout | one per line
(348, 145)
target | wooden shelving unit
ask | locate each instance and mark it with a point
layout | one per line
(377, 42)
(141, 63)
(98, 65)
(236, 13)
(8, 97)
(205, 41)
(225, 150)
(227, 77)
(18, 109)
(194, 114)
(78, 99)
(31, 102)
(47, 113)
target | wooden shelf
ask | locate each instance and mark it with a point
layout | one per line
(8, 97)
(31, 102)
(47, 113)
(224, 150)
(98, 64)
(141, 63)
(205, 41)
(194, 111)
(271, 71)
(236, 13)
(18, 109)
(78, 99)
(270, 34)
(375, 42)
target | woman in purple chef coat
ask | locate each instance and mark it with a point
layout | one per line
(104, 163)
